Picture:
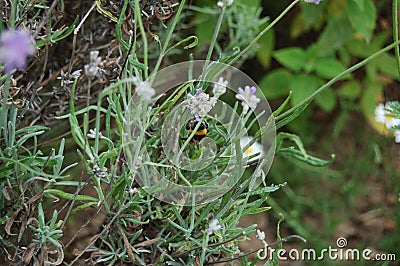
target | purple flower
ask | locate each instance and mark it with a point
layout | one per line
(15, 47)
(313, 1)
(213, 226)
(198, 92)
(248, 98)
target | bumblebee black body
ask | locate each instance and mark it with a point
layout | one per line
(200, 133)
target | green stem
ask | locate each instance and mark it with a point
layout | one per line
(255, 40)
(205, 248)
(245, 50)
(338, 77)
(168, 39)
(4, 105)
(144, 38)
(214, 38)
(13, 14)
(178, 171)
(396, 33)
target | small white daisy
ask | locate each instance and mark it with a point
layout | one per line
(380, 113)
(255, 149)
(382, 116)
(397, 136)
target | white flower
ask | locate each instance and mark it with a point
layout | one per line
(92, 68)
(220, 87)
(248, 98)
(397, 136)
(200, 103)
(139, 161)
(383, 116)
(255, 150)
(237, 251)
(213, 226)
(224, 3)
(100, 172)
(145, 91)
(92, 134)
(390, 120)
(313, 1)
(133, 191)
(380, 113)
(260, 235)
(67, 79)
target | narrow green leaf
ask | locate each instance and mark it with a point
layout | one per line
(68, 196)
(53, 219)
(298, 155)
(41, 216)
(259, 210)
(283, 105)
(31, 129)
(28, 136)
(82, 207)
(55, 242)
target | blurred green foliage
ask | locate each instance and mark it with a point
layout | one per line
(314, 44)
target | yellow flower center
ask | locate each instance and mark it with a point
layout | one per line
(249, 150)
(390, 118)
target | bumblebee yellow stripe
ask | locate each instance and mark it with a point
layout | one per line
(201, 132)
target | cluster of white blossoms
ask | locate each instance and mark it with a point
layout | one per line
(225, 3)
(144, 90)
(201, 103)
(92, 68)
(383, 115)
(213, 226)
(100, 172)
(260, 235)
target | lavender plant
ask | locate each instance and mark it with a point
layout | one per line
(174, 157)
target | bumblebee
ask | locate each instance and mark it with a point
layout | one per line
(200, 133)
